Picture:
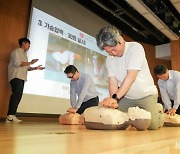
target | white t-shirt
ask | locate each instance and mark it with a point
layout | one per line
(64, 57)
(132, 59)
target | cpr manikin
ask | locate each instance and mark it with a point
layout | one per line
(103, 118)
(106, 118)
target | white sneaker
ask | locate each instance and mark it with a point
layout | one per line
(13, 118)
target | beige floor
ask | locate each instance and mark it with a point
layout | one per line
(52, 138)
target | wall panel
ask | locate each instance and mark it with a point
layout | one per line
(175, 55)
(14, 16)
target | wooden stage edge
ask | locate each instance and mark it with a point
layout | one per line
(51, 137)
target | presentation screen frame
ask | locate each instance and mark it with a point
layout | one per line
(57, 44)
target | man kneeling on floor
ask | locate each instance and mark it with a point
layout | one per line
(130, 80)
(81, 85)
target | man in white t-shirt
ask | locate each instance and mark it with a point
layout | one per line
(63, 58)
(130, 80)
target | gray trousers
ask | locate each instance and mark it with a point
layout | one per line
(148, 103)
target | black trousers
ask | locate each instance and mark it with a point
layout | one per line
(92, 102)
(17, 86)
(178, 109)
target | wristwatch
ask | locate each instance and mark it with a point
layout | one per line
(115, 97)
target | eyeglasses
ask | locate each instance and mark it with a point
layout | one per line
(72, 75)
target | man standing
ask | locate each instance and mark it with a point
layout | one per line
(130, 81)
(169, 86)
(17, 75)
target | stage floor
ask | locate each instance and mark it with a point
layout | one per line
(53, 138)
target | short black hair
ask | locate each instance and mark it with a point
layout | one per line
(160, 69)
(70, 69)
(21, 40)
